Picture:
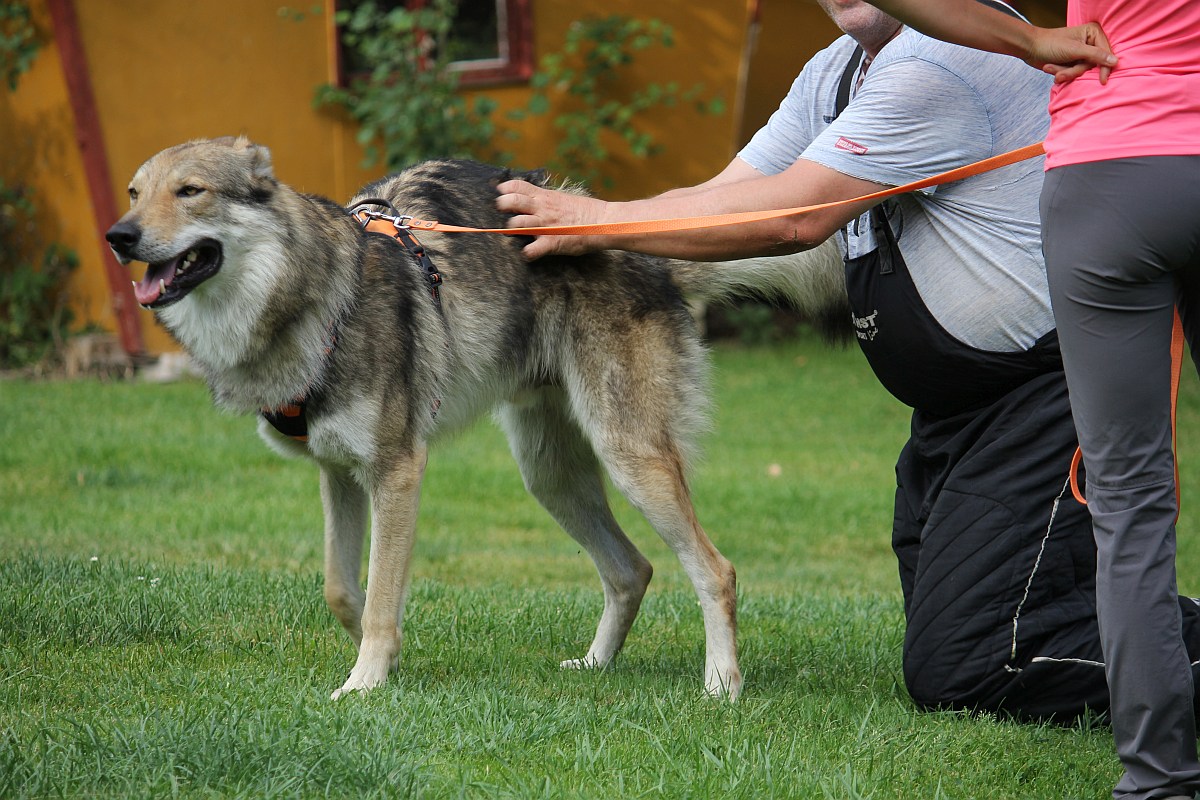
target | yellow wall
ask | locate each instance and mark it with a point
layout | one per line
(164, 72)
(789, 33)
(38, 149)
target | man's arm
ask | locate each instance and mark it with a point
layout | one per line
(738, 188)
(1065, 53)
(737, 170)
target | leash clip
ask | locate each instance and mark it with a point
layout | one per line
(402, 224)
(363, 213)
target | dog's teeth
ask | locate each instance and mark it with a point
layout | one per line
(191, 257)
(162, 285)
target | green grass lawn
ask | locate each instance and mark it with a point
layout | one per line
(162, 630)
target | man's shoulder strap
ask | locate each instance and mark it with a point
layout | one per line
(843, 93)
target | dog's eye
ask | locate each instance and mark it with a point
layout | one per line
(132, 195)
(189, 191)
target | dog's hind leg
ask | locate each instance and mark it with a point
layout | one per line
(637, 410)
(561, 471)
(653, 480)
(345, 506)
(394, 502)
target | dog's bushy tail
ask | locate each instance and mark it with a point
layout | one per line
(813, 282)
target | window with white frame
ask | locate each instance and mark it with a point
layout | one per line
(490, 40)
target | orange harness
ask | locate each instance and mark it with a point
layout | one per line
(398, 227)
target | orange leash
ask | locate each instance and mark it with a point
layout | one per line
(385, 224)
(1177, 342)
(382, 223)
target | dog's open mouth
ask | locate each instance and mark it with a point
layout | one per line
(169, 281)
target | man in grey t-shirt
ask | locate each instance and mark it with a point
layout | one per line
(973, 246)
(950, 305)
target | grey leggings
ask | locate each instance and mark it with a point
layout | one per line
(1122, 245)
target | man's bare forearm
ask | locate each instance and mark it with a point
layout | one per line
(1065, 53)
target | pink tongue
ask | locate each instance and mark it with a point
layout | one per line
(149, 289)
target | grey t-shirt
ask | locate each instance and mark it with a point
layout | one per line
(973, 247)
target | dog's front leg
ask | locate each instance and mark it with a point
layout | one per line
(394, 502)
(345, 505)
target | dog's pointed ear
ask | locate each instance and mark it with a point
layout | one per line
(260, 159)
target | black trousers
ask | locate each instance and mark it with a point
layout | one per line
(998, 562)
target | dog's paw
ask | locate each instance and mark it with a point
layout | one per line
(576, 663)
(355, 684)
(375, 660)
(590, 661)
(723, 685)
(362, 679)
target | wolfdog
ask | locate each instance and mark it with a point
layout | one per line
(354, 356)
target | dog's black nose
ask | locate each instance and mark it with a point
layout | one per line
(123, 236)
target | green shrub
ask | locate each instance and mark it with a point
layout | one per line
(18, 40)
(407, 105)
(33, 301)
(582, 83)
(33, 309)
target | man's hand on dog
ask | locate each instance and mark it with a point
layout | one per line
(535, 207)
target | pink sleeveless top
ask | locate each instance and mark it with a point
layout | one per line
(1151, 104)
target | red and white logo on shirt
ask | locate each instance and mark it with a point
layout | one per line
(851, 147)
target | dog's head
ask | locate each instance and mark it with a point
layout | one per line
(185, 203)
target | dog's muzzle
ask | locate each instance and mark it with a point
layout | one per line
(165, 282)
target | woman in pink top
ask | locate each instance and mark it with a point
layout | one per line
(1121, 235)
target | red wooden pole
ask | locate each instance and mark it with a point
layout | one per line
(95, 165)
